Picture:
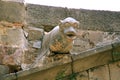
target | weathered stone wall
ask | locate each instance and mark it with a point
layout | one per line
(48, 17)
(44, 16)
(22, 29)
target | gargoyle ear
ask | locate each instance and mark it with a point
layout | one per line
(60, 22)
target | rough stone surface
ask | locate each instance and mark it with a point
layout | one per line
(12, 45)
(4, 70)
(87, 39)
(115, 71)
(93, 60)
(80, 45)
(97, 20)
(116, 53)
(29, 57)
(46, 16)
(100, 73)
(82, 76)
(14, 58)
(11, 34)
(12, 11)
(34, 33)
(10, 56)
(12, 37)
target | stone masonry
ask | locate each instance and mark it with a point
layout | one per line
(22, 28)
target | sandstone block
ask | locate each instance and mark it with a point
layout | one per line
(99, 73)
(34, 33)
(87, 39)
(116, 51)
(115, 70)
(12, 37)
(12, 45)
(28, 57)
(12, 11)
(80, 45)
(82, 76)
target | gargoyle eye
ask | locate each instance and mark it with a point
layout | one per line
(76, 25)
(67, 24)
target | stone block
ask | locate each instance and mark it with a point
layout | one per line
(92, 58)
(115, 70)
(95, 36)
(12, 11)
(11, 57)
(13, 37)
(7, 50)
(14, 58)
(34, 33)
(28, 57)
(116, 51)
(12, 34)
(42, 73)
(82, 76)
(12, 44)
(80, 45)
(87, 39)
(99, 73)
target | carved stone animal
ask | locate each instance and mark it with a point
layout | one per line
(60, 39)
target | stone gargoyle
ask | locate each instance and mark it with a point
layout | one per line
(59, 40)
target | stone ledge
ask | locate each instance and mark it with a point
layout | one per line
(100, 57)
(92, 51)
